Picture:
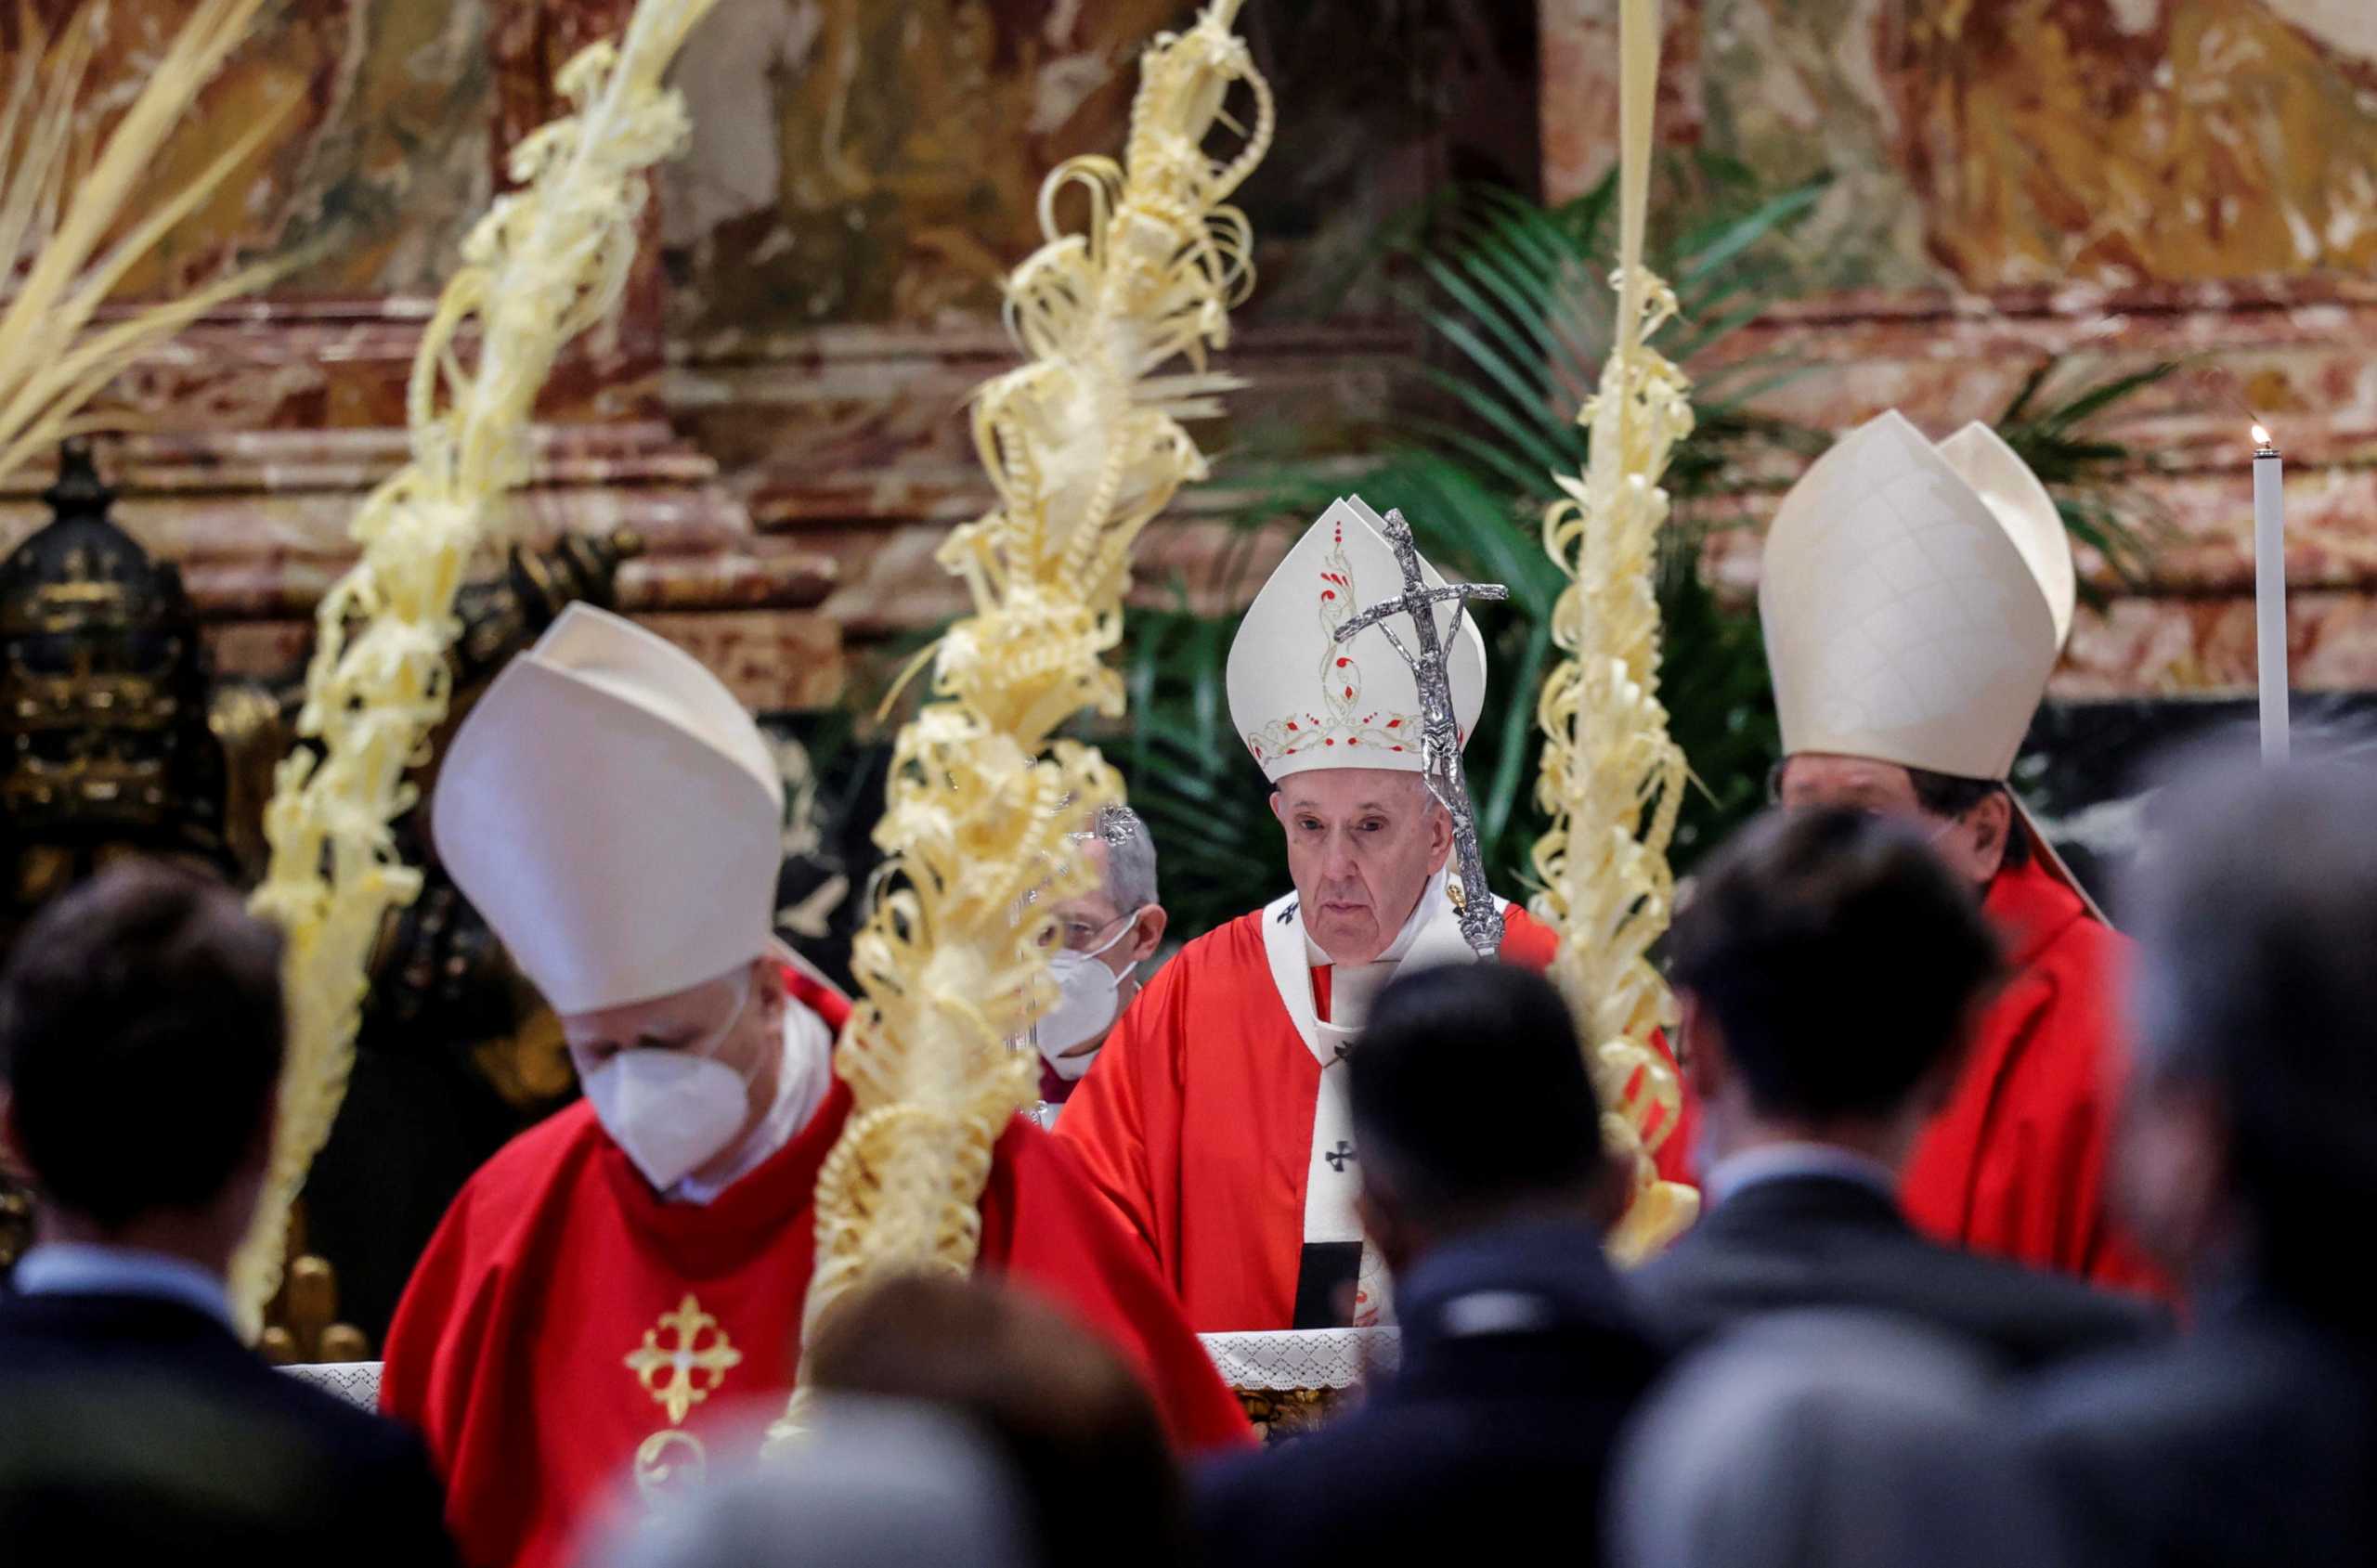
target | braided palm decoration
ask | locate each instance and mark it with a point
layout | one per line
(1084, 445)
(548, 261)
(1613, 777)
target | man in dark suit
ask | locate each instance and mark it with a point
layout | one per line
(2246, 1160)
(1485, 1190)
(141, 1035)
(1831, 970)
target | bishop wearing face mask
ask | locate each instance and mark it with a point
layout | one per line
(1215, 1118)
(1108, 936)
(620, 1283)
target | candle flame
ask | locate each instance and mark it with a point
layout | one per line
(2261, 435)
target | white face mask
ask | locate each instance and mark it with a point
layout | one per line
(672, 1110)
(1088, 996)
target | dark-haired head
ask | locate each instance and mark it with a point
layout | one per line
(1081, 1432)
(140, 1044)
(2249, 1136)
(1832, 968)
(1471, 1105)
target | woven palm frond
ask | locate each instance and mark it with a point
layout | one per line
(1086, 445)
(549, 260)
(1612, 775)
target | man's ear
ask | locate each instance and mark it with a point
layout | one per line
(1279, 809)
(1146, 933)
(768, 986)
(1993, 828)
(1439, 828)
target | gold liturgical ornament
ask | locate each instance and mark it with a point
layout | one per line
(103, 701)
(682, 1361)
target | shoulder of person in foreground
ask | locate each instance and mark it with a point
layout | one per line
(1438, 1476)
(2029, 1317)
(239, 1452)
(1046, 1224)
(2223, 1447)
(1510, 1422)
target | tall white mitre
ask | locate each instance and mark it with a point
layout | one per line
(1914, 598)
(1300, 699)
(614, 812)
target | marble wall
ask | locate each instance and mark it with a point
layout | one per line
(2118, 182)
(780, 408)
(1991, 144)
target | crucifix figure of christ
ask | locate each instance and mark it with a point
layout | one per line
(1481, 923)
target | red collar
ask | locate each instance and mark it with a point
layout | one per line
(2030, 908)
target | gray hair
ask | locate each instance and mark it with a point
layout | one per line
(1130, 857)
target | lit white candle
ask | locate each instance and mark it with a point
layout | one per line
(2269, 590)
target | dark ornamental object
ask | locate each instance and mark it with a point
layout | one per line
(1481, 922)
(104, 742)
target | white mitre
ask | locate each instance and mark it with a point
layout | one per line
(1302, 700)
(1914, 598)
(614, 812)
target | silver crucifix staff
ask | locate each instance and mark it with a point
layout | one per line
(1481, 923)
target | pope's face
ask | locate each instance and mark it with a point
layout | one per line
(1362, 844)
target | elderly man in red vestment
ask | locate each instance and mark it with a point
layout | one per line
(619, 1281)
(1914, 598)
(1215, 1117)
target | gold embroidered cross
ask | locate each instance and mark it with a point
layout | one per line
(699, 1350)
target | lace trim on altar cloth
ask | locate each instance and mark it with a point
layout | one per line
(1303, 1358)
(357, 1382)
(1287, 1361)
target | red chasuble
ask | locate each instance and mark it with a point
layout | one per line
(1197, 1122)
(567, 1329)
(2014, 1165)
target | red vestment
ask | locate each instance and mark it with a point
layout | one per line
(2014, 1165)
(1197, 1122)
(538, 1344)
